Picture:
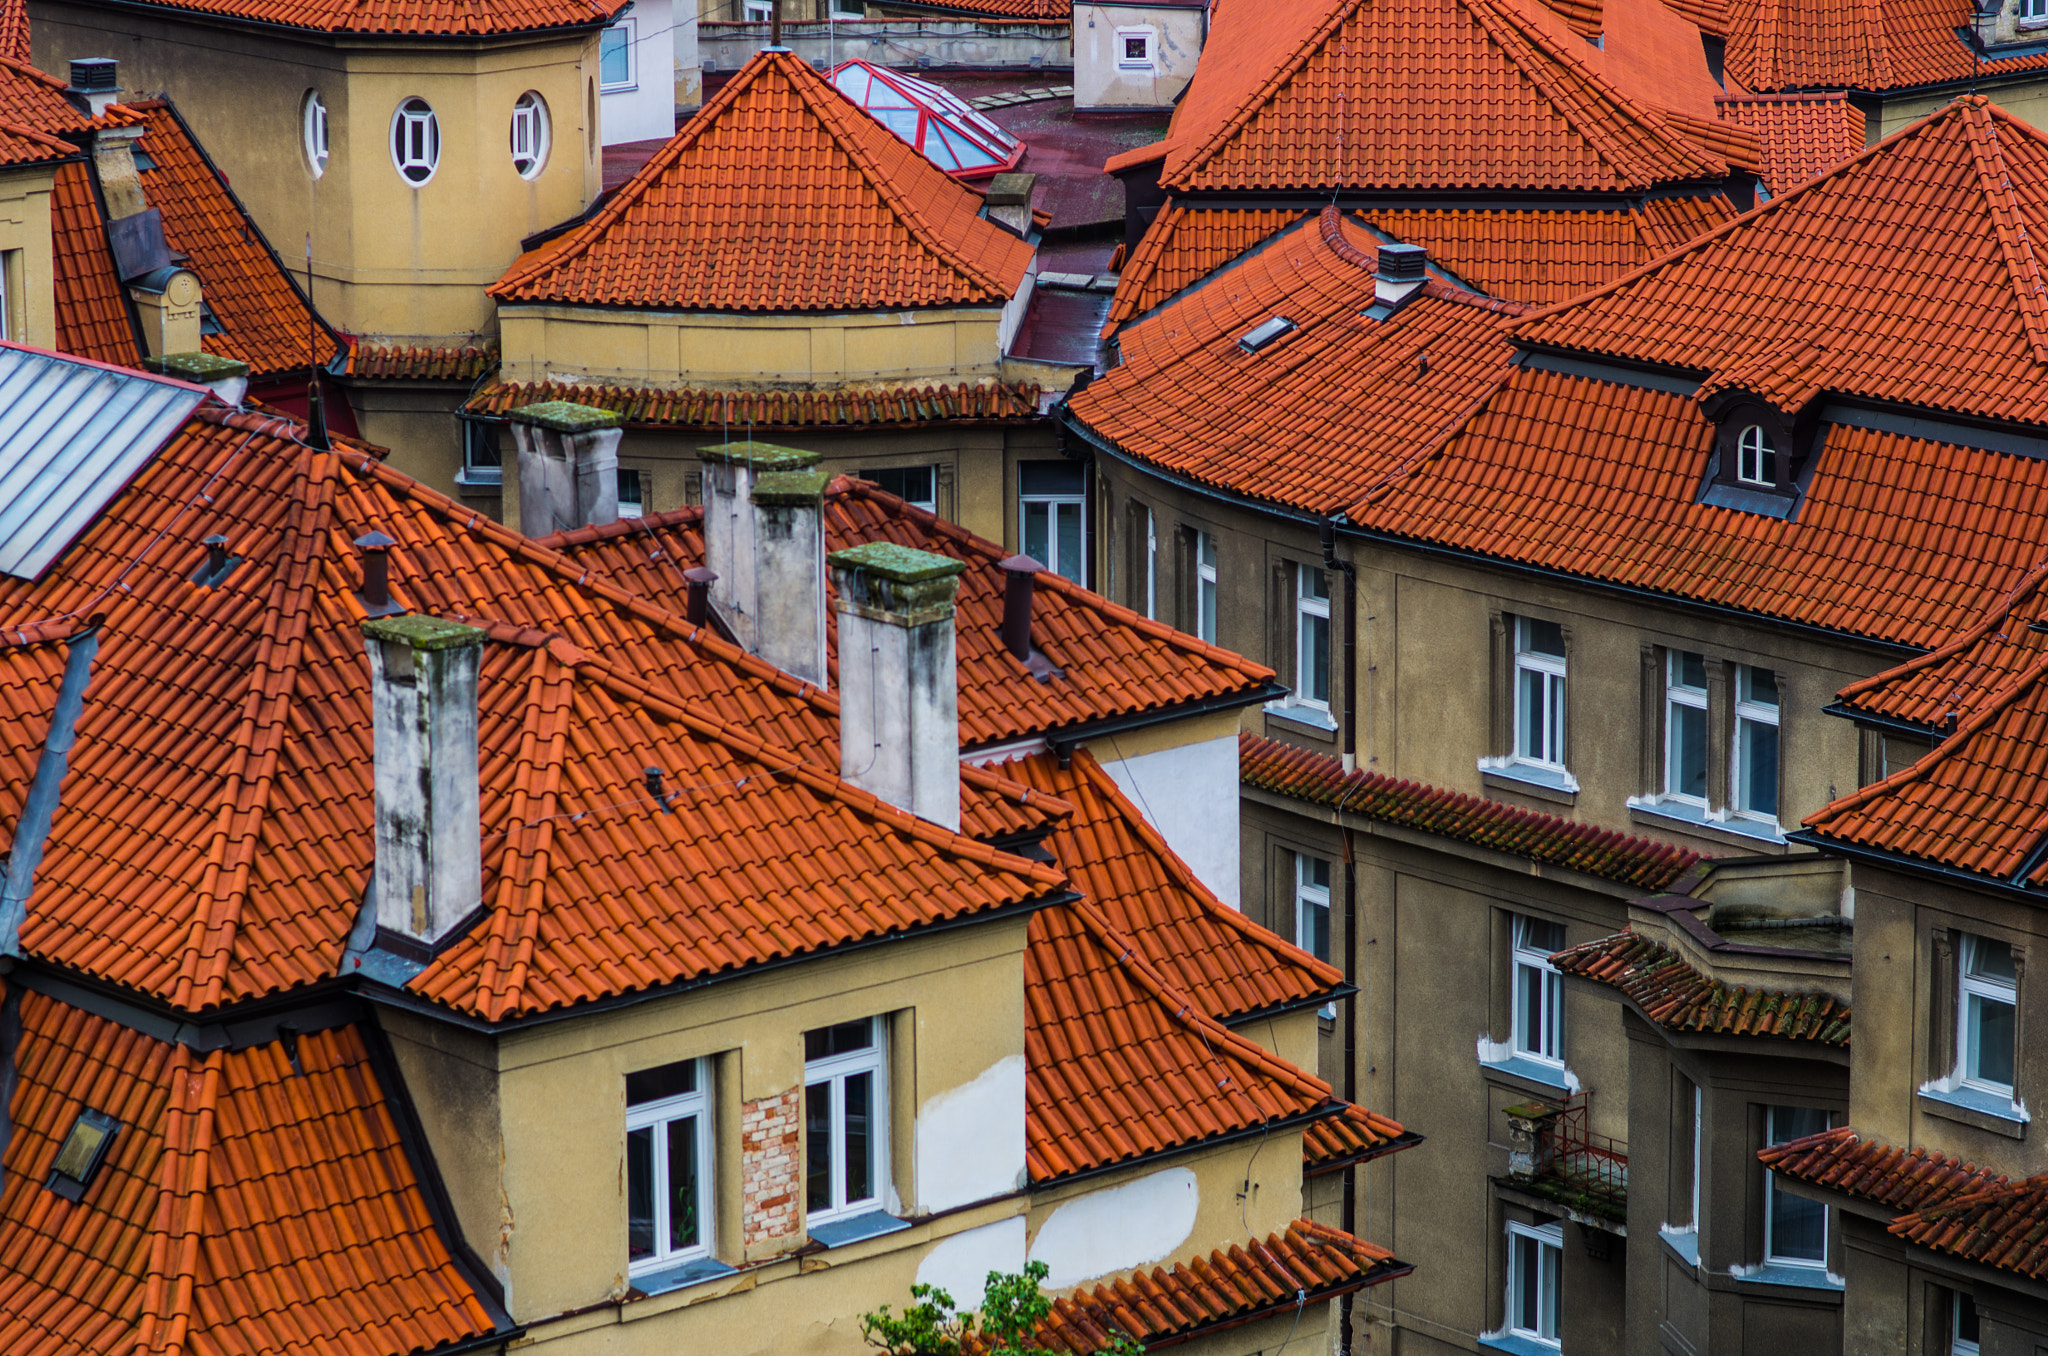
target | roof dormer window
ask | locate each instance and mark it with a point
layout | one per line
(1756, 457)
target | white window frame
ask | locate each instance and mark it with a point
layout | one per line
(1740, 774)
(835, 1070)
(930, 468)
(634, 507)
(628, 29)
(1753, 447)
(1310, 613)
(1681, 696)
(1539, 748)
(1145, 33)
(2031, 12)
(1972, 990)
(1312, 905)
(1771, 1256)
(1054, 502)
(655, 1117)
(1532, 968)
(1151, 564)
(10, 263)
(1208, 556)
(530, 118)
(404, 120)
(760, 11)
(313, 133)
(1959, 1345)
(1548, 1242)
(1698, 1166)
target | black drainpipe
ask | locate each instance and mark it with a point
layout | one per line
(1350, 1063)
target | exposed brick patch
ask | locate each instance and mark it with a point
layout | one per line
(771, 1166)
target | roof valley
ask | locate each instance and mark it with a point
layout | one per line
(172, 1275)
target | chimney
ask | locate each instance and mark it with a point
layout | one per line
(1008, 202)
(567, 466)
(1019, 583)
(1400, 275)
(96, 79)
(428, 876)
(731, 519)
(228, 377)
(899, 722)
(376, 591)
(789, 571)
(698, 605)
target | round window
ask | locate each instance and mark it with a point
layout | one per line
(415, 141)
(313, 126)
(529, 135)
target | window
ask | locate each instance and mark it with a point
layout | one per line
(2033, 11)
(529, 134)
(1756, 457)
(1535, 1281)
(1312, 905)
(917, 486)
(760, 11)
(1539, 692)
(1685, 727)
(1698, 1166)
(313, 127)
(1053, 505)
(1539, 990)
(1134, 49)
(82, 1153)
(10, 260)
(1151, 527)
(615, 56)
(415, 141)
(632, 502)
(1312, 637)
(1795, 1228)
(1205, 586)
(1963, 1339)
(1756, 742)
(1987, 996)
(668, 1166)
(846, 1145)
(482, 462)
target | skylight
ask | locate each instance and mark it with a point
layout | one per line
(82, 1153)
(938, 123)
(1265, 333)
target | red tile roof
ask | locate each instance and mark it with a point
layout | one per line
(244, 1206)
(31, 98)
(853, 406)
(372, 361)
(1319, 779)
(1939, 218)
(1802, 135)
(1120, 1063)
(780, 195)
(1112, 661)
(1178, 397)
(1673, 994)
(1937, 689)
(93, 319)
(1308, 1263)
(1356, 1136)
(409, 18)
(1848, 44)
(1895, 1178)
(2004, 1227)
(1184, 245)
(14, 31)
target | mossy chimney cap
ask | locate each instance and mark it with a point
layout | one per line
(760, 456)
(566, 416)
(897, 564)
(423, 633)
(200, 367)
(790, 488)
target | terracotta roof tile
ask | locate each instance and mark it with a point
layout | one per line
(1307, 1263)
(1319, 779)
(1937, 689)
(14, 31)
(93, 320)
(1356, 1136)
(2004, 1227)
(1183, 246)
(244, 1206)
(1112, 661)
(1859, 44)
(1673, 994)
(33, 98)
(1895, 1178)
(373, 361)
(855, 406)
(780, 195)
(1802, 135)
(417, 18)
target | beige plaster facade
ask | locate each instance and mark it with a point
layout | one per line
(27, 259)
(1133, 57)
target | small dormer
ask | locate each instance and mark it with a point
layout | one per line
(1765, 413)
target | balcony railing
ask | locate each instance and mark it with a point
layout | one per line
(1554, 1154)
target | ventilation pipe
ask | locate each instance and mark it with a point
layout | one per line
(1402, 271)
(698, 606)
(567, 466)
(97, 81)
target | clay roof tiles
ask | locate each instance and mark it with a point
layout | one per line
(91, 307)
(372, 361)
(409, 18)
(1673, 994)
(780, 195)
(1859, 44)
(14, 44)
(1801, 135)
(1112, 661)
(853, 406)
(1356, 1136)
(1895, 1178)
(2004, 1227)
(1290, 770)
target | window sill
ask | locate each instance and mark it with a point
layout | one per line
(1983, 1110)
(1526, 779)
(1540, 1076)
(470, 479)
(839, 1232)
(1306, 719)
(694, 1272)
(1520, 1346)
(1684, 1244)
(618, 89)
(1678, 817)
(1777, 1273)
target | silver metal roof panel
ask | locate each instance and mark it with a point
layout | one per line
(72, 434)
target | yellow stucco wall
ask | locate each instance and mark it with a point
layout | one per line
(25, 251)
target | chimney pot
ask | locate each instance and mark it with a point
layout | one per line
(376, 592)
(568, 465)
(98, 79)
(1402, 271)
(216, 554)
(1019, 585)
(700, 581)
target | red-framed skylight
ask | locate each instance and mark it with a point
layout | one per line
(940, 124)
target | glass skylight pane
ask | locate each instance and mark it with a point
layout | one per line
(903, 122)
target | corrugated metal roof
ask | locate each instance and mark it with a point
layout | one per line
(71, 435)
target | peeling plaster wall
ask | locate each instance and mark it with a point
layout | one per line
(1117, 1229)
(961, 1264)
(1190, 795)
(970, 1139)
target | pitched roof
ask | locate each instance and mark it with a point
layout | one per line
(1860, 44)
(1307, 1262)
(1895, 1178)
(254, 1200)
(14, 30)
(372, 361)
(409, 18)
(1801, 135)
(867, 405)
(1356, 1136)
(1915, 261)
(1937, 689)
(1673, 994)
(93, 320)
(1319, 779)
(1112, 662)
(2004, 1227)
(1183, 245)
(34, 99)
(780, 195)
(1329, 427)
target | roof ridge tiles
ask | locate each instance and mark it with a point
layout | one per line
(1992, 621)
(1251, 105)
(173, 1268)
(1995, 181)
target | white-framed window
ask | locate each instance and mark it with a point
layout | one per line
(1756, 743)
(1151, 530)
(668, 1166)
(1986, 999)
(1963, 1327)
(846, 1136)
(1312, 905)
(1685, 727)
(1535, 1281)
(760, 11)
(1206, 588)
(917, 486)
(1539, 989)
(2033, 11)
(482, 461)
(632, 492)
(1699, 1120)
(1052, 507)
(529, 134)
(1756, 457)
(1312, 637)
(415, 141)
(1134, 48)
(615, 57)
(1539, 692)
(10, 263)
(1795, 1228)
(313, 132)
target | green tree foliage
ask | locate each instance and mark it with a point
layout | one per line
(1012, 1307)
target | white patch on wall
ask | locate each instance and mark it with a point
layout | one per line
(1190, 794)
(970, 1139)
(1124, 1227)
(960, 1265)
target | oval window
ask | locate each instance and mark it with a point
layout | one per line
(313, 126)
(1756, 457)
(415, 141)
(529, 135)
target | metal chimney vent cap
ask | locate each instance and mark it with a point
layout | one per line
(95, 75)
(1403, 263)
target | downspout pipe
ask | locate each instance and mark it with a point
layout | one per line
(1346, 1321)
